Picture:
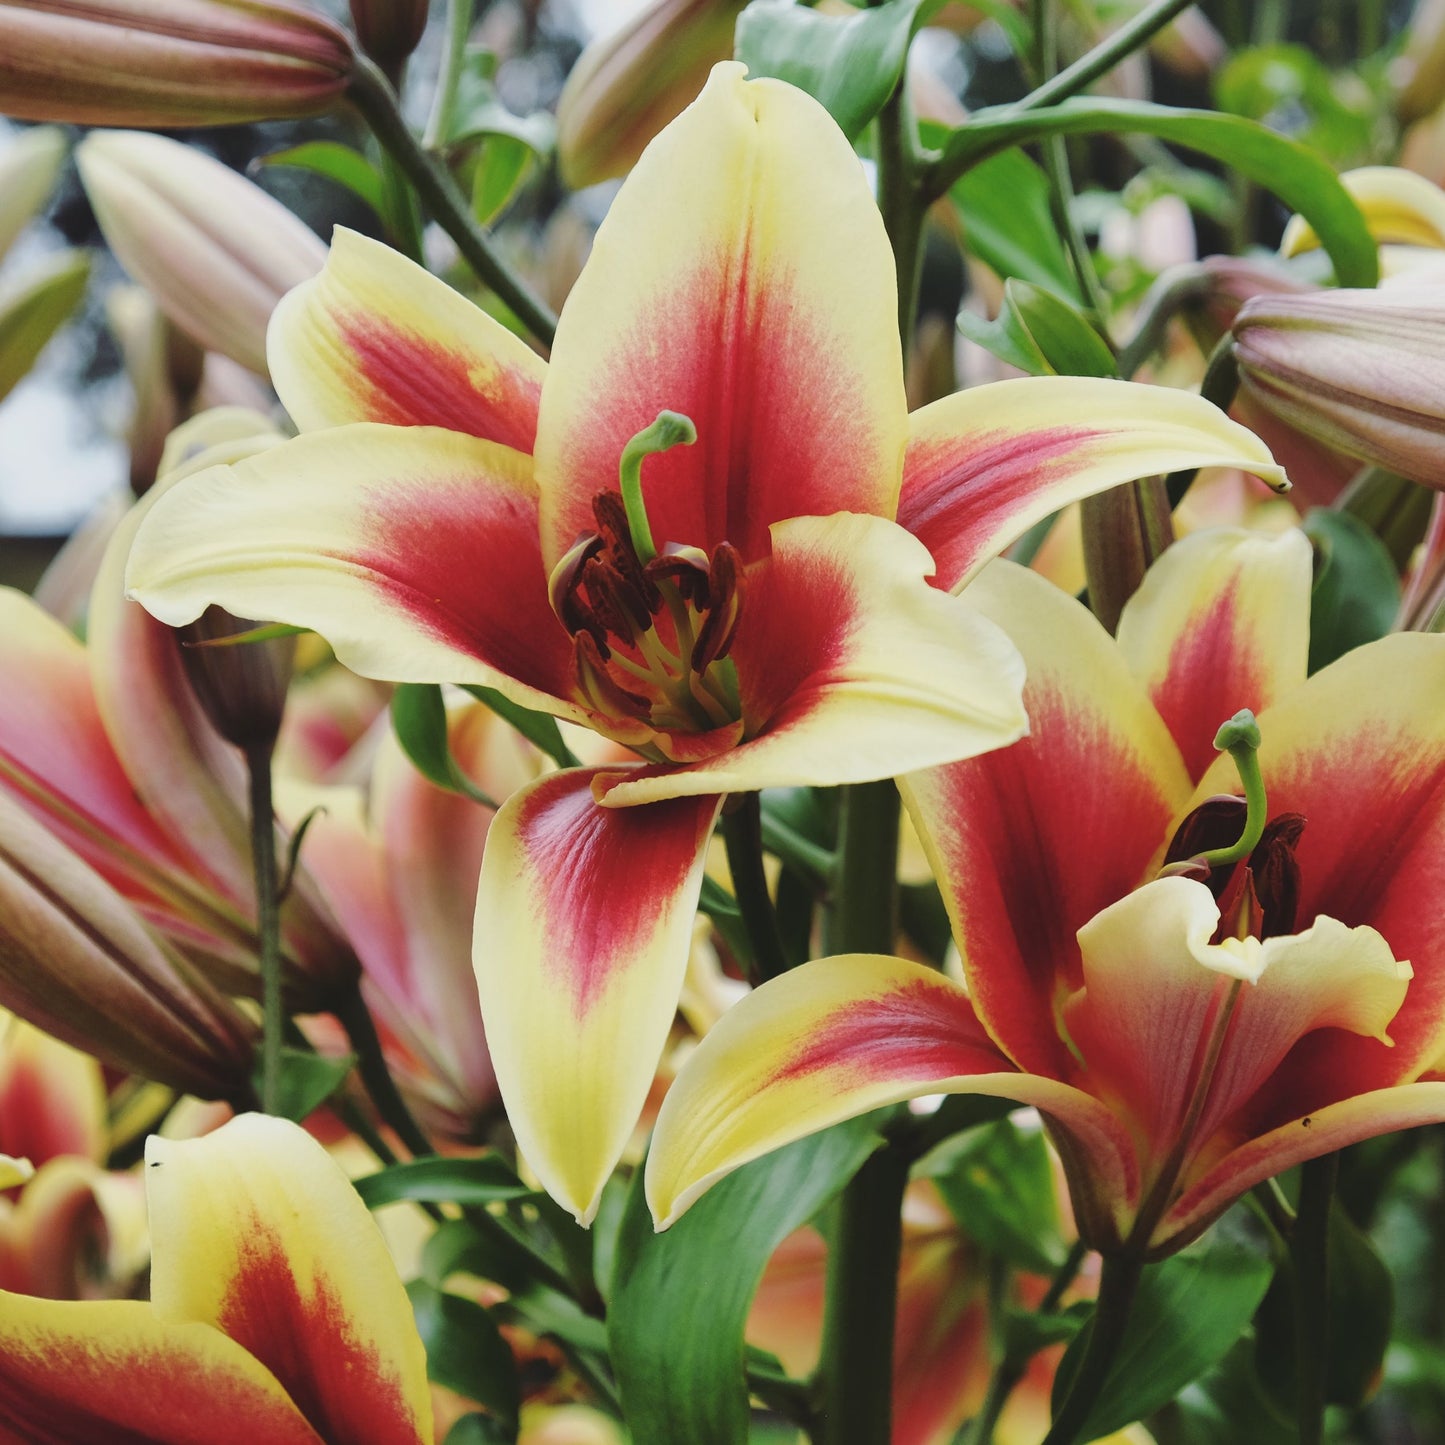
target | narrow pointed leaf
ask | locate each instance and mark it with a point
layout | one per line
(1356, 589)
(337, 162)
(465, 1350)
(481, 1180)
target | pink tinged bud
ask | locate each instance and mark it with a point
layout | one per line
(389, 30)
(165, 63)
(76, 961)
(242, 685)
(628, 85)
(215, 250)
(28, 167)
(1361, 371)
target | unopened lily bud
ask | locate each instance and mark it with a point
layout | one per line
(1226, 283)
(389, 30)
(1361, 371)
(28, 167)
(215, 250)
(77, 961)
(1420, 70)
(241, 685)
(166, 63)
(628, 85)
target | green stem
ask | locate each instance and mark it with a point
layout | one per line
(355, 1018)
(903, 203)
(743, 837)
(376, 101)
(268, 923)
(864, 915)
(1125, 531)
(1174, 292)
(459, 26)
(1309, 1255)
(1118, 1284)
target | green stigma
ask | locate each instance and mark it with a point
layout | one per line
(671, 429)
(1240, 738)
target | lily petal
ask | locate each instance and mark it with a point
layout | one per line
(832, 1040)
(260, 1235)
(375, 337)
(584, 921)
(850, 667)
(1220, 623)
(52, 1097)
(1098, 778)
(984, 465)
(412, 550)
(742, 277)
(111, 1370)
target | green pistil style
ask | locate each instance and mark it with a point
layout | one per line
(671, 429)
(1240, 738)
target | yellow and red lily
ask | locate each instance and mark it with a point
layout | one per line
(747, 613)
(276, 1314)
(1178, 1060)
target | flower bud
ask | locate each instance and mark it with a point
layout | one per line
(167, 63)
(1361, 371)
(628, 85)
(28, 167)
(215, 250)
(1420, 71)
(241, 685)
(389, 30)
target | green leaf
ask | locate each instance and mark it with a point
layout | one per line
(1294, 173)
(33, 309)
(1041, 334)
(340, 163)
(1356, 592)
(480, 1430)
(1225, 1407)
(1008, 222)
(478, 111)
(307, 1080)
(465, 1350)
(852, 63)
(502, 164)
(539, 728)
(679, 1357)
(1188, 1312)
(720, 906)
(419, 716)
(999, 1183)
(480, 1179)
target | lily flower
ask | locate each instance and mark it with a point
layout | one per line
(742, 612)
(1177, 1061)
(275, 1314)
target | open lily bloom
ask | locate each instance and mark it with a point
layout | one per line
(1177, 1062)
(275, 1314)
(767, 623)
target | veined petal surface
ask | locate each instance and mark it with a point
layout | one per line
(412, 550)
(984, 465)
(259, 1234)
(850, 668)
(829, 1041)
(375, 337)
(1030, 842)
(1220, 622)
(115, 1371)
(584, 922)
(743, 278)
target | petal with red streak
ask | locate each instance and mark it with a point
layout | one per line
(584, 922)
(52, 1097)
(851, 668)
(1030, 843)
(985, 464)
(375, 337)
(741, 277)
(258, 1234)
(115, 1371)
(832, 1040)
(1220, 623)
(413, 551)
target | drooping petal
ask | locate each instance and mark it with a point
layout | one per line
(259, 1235)
(413, 551)
(114, 1371)
(742, 277)
(1359, 750)
(584, 921)
(1220, 623)
(984, 465)
(52, 1097)
(851, 668)
(375, 337)
(832, 1040)
(1030, 843)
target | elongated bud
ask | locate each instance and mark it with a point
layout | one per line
(164, 63)
(628, 85)
(241, 685)
(28, 167)
(1361, 371)
(1419, 73)
(389, 30)
(215, 251)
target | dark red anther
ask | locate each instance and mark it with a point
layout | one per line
(616, 536)
(724, 608)
(1277, 874)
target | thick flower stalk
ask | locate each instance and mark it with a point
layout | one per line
(275, 1314)
(1186, 1032)
(164, 63)
(740, 611)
